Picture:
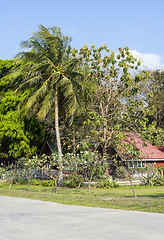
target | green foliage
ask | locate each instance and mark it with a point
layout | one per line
(21, 180)
(5, 67)
(27, 167)
(152, 128)
(152, 176)
(72, 181)
(121, 172)
(48, 163)
(2, 173)
(156, 97)
(87, 163)
(107, 183)
(13, 139)
(48, 183)
(16, 137)
(161, 171)
(48, 64)
(98, 95)
(36, 182)
(9, 174)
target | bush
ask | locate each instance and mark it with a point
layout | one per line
(107, 183)
(48, 183)
(71, 182)
(153, 181)
(152, 176)
(159, 182)
(121, 172)
(22, 181)
(36, 182)
(161, 171)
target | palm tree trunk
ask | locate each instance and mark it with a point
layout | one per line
(105, 148)
(60, 180)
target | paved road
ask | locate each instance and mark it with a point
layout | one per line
(25, 219)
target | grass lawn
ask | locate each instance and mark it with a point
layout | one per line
(149, 199)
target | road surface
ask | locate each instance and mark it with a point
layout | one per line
(25, 219)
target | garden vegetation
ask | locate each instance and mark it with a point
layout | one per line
(80, 99)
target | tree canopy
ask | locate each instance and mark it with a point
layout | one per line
(78, 97)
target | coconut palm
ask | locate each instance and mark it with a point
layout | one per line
(49, 70)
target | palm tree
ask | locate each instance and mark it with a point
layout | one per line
(49, 70)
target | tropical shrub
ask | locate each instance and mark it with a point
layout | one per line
(121, 172)
(71, 181)
(151, 176)
(36, 182)
(107, 183)
(48, 183)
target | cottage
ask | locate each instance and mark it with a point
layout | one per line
(149, 153)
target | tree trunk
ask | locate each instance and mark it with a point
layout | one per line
(131, 182)
(105, 147)
(56, 185)
(42, 175)
(11, 182)
(89, 185)
(60, 180)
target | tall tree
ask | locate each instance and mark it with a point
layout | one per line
(18, 135)
(116, 84)
(50, 72)
(157, 100)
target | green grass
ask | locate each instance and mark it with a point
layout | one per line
(149, 199)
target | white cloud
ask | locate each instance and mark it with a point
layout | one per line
(149, 60)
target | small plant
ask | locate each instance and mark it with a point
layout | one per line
(27, 168)
(22, 181)
(151, 176)
(161, 171)
(107, 183)
(10, 174)
(121, 172)
(48, 183)
(36, 182)
(73, 181)
(2, 173)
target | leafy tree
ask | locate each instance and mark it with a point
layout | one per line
(151, 126)
(27, 167)
(5, 67)
(13, 140)
(51, 166)
(157, 100)
(118, 86)
(87, 164)
(12, 137)
(18, 135)
(11, 173)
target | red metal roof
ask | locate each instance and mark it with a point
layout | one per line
(147, 149)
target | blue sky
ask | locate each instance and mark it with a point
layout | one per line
(135, 23)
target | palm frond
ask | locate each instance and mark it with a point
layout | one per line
(39, 94)
(29, 83)
(47, 63)
(69, 95)
(46, 105)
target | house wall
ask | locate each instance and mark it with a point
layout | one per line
(159, 164)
